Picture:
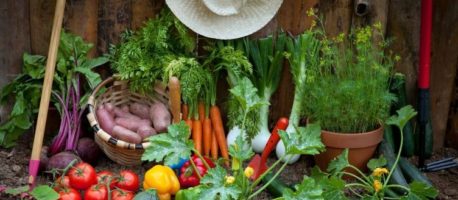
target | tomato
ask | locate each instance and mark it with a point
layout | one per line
(96, 192)
(104, 176)
(62, 183)
(67, 193)
(82, 176)
(120, 194)
(128, 180)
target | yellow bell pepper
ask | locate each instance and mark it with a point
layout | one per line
(163, 180)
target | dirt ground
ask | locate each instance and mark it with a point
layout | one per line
(14, 163)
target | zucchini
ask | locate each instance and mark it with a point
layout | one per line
(397, 177)
(388, 136)
(276, 187)
(412, 173)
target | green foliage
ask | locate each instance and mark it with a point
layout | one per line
(420, 191)
(214, 185)
(147, 195)
(376, 162)
(305, 140)
(143, 55)
(339, 163)
(171, 146)
(403, 116)
(240, 150)
(307, 189)
(348, 90)
(44, 192)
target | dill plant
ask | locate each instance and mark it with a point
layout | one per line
(348, 91)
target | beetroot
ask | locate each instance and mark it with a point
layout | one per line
(43, 158)
(88, 150)
(61, 160)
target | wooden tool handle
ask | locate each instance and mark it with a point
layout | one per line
(47, 84)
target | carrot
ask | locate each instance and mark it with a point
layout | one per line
(217, 122)
(189, 123)
(201, 110)
(175, 98)
(214, 147)
(197, 134)
(207, 128)
(184, 111)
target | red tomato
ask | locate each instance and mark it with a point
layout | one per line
(82, 176)
(62, 183)
(120, 194)
(96, 192)
(128, 180)
(104, 176)
(67, 193)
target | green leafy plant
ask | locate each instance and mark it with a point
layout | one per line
(348, 89)
(235, 183)
(372, 186)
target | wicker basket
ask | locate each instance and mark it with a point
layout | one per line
(117, 92)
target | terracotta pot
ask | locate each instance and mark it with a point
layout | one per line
(361, 147)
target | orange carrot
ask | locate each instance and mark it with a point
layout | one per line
(184, 112)
(217, 122)
(189, 123)
(207, 128)
(214, 147)
(201, 109)
(175, 98)
(197, 135)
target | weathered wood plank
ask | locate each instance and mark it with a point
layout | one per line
(14, 40)
(114, 18)
(41, 17)
(142, 10)
(81, 19)
(337, 16)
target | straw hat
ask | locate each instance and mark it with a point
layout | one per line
(224, 19)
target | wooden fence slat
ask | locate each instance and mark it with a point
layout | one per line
(41, 17)
(114, 18)
(142, 10)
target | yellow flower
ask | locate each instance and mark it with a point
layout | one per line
(377, 185)
(248, 172)
(378, 25)
(313, 24)
(379, 172)
(229, 179)
(310, 12)
(397, 58)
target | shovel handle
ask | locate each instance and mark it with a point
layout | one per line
(282, 123)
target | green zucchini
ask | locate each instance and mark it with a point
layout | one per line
(276, 187)
(412, 173)
(397, 177)
(388, 135)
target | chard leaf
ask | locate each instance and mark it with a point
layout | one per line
(34, 65)
(170, 147)
(44, 192)
(92, 78)
(339, 163)
(375, 163)
(305, 140)
(214, 186)
(94, 62)
(308, 189)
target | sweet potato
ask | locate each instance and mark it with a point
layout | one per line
(126, 135)
(109, 107)
(140, 110)
(105, 120)
(119, 112)
(132, 124)
(125, 108)
(146, 131)
(160, 116)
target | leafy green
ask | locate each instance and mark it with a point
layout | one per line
(305, 140)
(44, 192)
(339, 163)
(375, 163)
(307, 189)
(240, 150)
(147, 195)
(404, 115)
(17, 191)
(214, 185)
(170, 147)
(191, 193)
(333, 186)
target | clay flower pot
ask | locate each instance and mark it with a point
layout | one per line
(361, 147)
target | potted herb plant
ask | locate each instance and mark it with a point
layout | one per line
(348, 94)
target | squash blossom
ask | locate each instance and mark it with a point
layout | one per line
(379, 172)
(229, 179)
(248, 172)
(377, 185)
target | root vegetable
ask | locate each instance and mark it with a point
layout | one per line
(125, 108)
(146, 131)
(119, 112)
(126, 135)
(88, 150)
(132, 124)
(105, 120)
(140, 110)
(109, 107)
(61, 160)
(44, 159)
(160, 116)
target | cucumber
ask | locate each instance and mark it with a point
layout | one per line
(276, 187)
(398, 87)
(412, 173)
(397, 177)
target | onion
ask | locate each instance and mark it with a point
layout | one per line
(260, 140)
(61, 160)
(280, 150)
(232, 136)
(88, 150)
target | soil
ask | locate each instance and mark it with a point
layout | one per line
(14, 163)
